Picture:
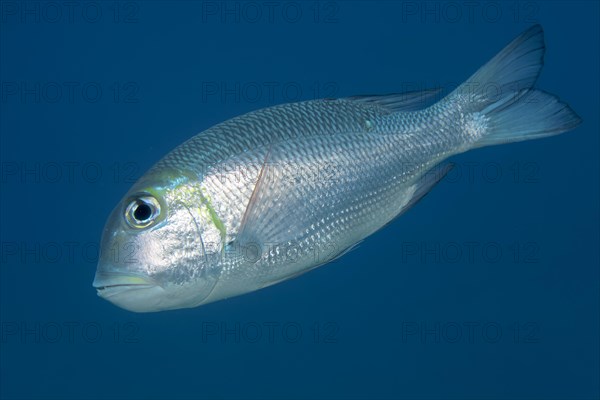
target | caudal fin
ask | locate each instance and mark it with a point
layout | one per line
(501, 93)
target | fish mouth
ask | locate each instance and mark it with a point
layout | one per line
(111, 284)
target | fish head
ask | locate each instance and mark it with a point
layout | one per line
(161, 246)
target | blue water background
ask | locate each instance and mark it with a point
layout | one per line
(409, 314)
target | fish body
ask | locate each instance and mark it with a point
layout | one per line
(274, 193)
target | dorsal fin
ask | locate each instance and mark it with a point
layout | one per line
(407, 101)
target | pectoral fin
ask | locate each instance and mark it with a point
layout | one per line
(265, 221)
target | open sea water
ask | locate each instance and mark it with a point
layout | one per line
(487, 289)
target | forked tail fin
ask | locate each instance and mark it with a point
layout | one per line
(502, 96)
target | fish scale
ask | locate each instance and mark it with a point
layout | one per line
(373, 193)
(261, 127)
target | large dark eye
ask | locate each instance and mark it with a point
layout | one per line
(142, 211)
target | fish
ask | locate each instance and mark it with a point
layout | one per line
(269, 195)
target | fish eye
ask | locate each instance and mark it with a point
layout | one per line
(142, 211)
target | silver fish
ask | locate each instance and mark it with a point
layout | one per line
(269, 195)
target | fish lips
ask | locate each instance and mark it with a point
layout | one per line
(131, 292)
